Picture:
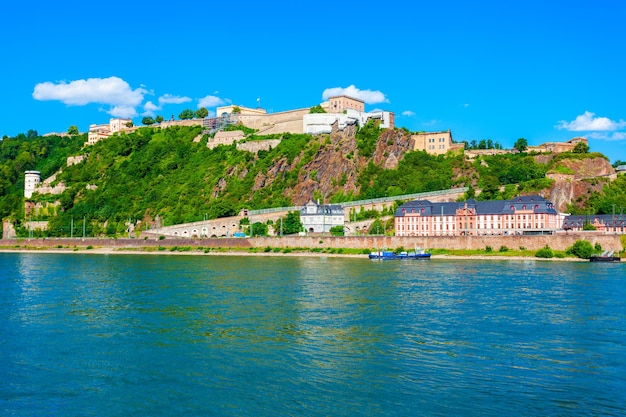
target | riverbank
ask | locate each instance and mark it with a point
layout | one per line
(201, 251)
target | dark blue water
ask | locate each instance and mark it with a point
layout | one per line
(98, 335)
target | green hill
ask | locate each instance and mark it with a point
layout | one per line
(172, 174)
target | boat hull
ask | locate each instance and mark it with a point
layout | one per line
(604, 259)
(396, 256)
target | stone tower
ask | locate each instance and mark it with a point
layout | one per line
(32, 179)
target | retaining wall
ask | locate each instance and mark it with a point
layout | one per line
(558, 242)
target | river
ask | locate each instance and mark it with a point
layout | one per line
(119, 335)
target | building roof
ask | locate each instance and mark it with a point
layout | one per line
(345, 96)
(579, 220)
(320, 208)
(537, 204)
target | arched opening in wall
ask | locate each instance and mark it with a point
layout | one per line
(185, 233)
(175, 233)
(311, 230)
(205, 232)
(223, 234)
(194, 233)
(213, 236)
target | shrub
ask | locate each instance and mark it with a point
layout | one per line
(503, 249)
(581, 249)
(336, 230)
(598, 246)
(545, 252)
(488, 249)
(267, 249)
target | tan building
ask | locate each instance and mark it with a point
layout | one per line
(338, 104)
(103, 131)
(559, 147)
(436, 143)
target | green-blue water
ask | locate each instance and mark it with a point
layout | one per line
(120, 335)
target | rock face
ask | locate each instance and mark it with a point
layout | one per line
(337, 164)
(586, 176)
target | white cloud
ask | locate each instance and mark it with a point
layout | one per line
(408, 113)
(367, 96)
(150, 109)
(588, 122)
(465, 105)
(125, 112)
(112, 91)
(615, 136)
(170, 99)
(210, 101)
(430, 122)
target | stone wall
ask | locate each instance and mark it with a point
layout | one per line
(558, 242)
(256, 145)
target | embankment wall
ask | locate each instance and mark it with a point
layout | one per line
(558, 242)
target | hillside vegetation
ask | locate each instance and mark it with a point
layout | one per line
(166, 173)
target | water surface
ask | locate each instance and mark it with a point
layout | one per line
(118, 335)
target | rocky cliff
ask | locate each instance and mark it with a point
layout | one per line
(581, 177)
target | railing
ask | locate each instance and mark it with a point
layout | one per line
(370, 201)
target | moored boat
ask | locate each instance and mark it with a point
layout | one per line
(388, 255)
(607, 256)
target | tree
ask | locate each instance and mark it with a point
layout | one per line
(147, 121)
(186, 114)
(581, 147)
(291, 223)
(158, 119)
(236, 110)
(521, 145)
(72, 130)
(581, 249)
(336, 230)
(201, 113)
(129, 124)
(258, 229)
(32, 134)
(317, 109)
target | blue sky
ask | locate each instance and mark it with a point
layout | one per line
(545, 71)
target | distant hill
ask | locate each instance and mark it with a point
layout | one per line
(171, 173)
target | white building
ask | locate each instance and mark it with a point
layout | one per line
(317, 218)
(31, 181)
(316, 123)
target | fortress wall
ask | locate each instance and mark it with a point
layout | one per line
(292, 126)
(256, 145)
